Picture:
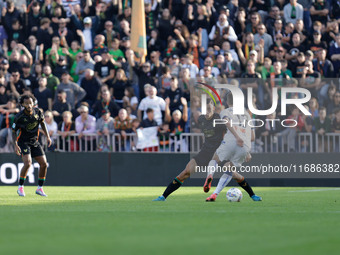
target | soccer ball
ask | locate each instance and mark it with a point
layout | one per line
(234, 195)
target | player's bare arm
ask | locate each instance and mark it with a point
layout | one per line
(44, 128)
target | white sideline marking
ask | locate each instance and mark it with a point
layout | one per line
(313, 190)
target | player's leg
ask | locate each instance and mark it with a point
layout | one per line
(224, 181)
(39, 156)
(178, 181)
(27, 160)
(246, 186)
(213, 163)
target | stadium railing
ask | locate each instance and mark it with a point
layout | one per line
(190, 143)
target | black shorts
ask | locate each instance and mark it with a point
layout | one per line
(205, 155)
(34, 149)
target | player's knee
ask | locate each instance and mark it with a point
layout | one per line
(28, 163)
(43, 164)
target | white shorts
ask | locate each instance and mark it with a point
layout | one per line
(232, 152)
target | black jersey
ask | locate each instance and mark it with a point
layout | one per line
(213, 135)
(28, 125)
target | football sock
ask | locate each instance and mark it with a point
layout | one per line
(41, 181)
(212, 167)
(174, 185)
(245, 185)
(224, 180)
(22, 180)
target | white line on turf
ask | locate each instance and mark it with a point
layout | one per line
(314, 190)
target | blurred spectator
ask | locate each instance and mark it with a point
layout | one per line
(85, 126)
(118, 86)
(336, 121)
(52, 81)
(52, 127)
(74, 93)
(104, 127)
(17, 85)
(231, 68)
(322, 126)
(43, 95)
(66, 129)
(293, 11)
(334, 103)
(123, 126)
(154, 102)
(130, 100)
(85, 63)
(60, 105)
(105, 70)
(174, 94)
(105, 102)
(91, 85)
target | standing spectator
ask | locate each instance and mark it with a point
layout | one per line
(85, 127)
(334, 54)
(74, 93)
(154, 102)
(319, 11)
(118, 86)
(60, 105)
(123, 127)
(106, 102)
(174, 94)
(146, 123)
(105, 70)
(17, 85)
(293, 11)
(222, 31)
(43, 95)
(334, 103)
(231, 67)
(188, 63)
(105, 128)
(130, 100)
(52, 81)
(45, 33)
(85, 63)
(91, 85)
(66, 129)
(52, 128)
(262, 35)
(336, 121)
(323, 126)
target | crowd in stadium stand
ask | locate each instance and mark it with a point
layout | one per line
(74, 56)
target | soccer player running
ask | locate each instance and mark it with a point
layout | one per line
(26, 142)
(234, 150)
(213, 137)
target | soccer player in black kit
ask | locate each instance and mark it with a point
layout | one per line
(213, 137)
(25, 134)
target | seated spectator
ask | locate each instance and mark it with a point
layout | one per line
(114, 50)
(188, 63)
(66, 129)
(85, 127)
(43, 95)
(3, 95)
(60, 105)
(231, 67)
(154, 102)
(262, 35)
(105, 102)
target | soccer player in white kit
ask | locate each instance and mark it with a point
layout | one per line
(234, 150)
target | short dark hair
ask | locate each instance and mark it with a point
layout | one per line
(149, 110)
(24, 97)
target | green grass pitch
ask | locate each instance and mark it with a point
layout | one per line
(124, 220)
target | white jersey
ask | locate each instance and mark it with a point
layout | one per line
(240, 124)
